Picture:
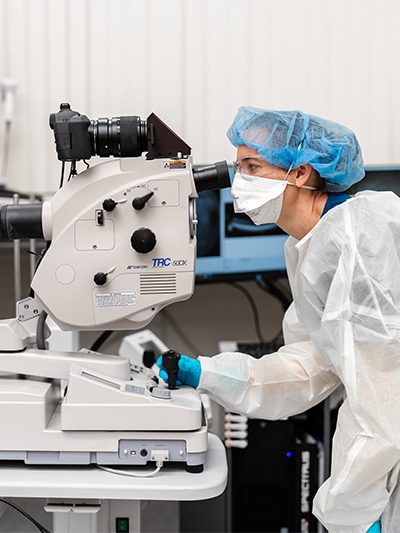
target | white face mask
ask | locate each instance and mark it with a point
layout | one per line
(260, 198)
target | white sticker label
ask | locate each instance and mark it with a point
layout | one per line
(115, 299)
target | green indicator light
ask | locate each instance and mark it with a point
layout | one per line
(122, 525)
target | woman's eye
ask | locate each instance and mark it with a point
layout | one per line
(254, 168)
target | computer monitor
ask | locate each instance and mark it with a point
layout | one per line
(379, 179)
(231, 246)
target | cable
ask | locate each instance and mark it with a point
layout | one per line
(72, 170)
(271, 287)
(180, 333)
(253, 308)
(40, 255)
(40, 340)
(62, 174)
(101, 339)
(131, 474)
(39, 526)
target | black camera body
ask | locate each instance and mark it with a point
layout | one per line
(71, 133)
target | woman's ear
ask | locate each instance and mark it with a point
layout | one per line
(304, 174)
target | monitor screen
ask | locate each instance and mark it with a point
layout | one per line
(229, 244)
(379, 179)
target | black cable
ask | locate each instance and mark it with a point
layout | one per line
(72, 170)
(253, 308)
(40, 328)
(180, 333)
(101, 339)
(39, 526)
(86, 163)
(271, 287)
(41, 255)
(62, 174)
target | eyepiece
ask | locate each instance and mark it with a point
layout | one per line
(216, 176)
(21, 221)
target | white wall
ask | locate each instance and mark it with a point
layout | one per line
(194, 62)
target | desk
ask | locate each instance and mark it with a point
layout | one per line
(89, 500)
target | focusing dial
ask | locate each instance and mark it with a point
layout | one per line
(143, 240)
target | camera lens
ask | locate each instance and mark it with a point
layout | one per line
(118, 136)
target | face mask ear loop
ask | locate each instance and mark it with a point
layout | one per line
(308, 187)
(292, 164)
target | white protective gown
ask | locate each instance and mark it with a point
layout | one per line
(343, 327)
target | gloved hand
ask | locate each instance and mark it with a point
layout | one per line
(189, 371)
(375, 528)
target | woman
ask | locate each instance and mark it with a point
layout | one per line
(343, 264)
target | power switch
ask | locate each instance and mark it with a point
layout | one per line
(122, 525)
(99, 217)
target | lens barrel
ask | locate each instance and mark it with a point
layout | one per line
(118, 136)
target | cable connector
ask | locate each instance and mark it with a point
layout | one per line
(159, 456)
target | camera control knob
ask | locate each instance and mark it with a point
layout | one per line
(109, 204)
(139, 202)
(100, 278)
(143, 240)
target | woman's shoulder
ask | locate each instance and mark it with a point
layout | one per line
(362, 210)
(368, 220)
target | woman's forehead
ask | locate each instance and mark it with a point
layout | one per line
(245, 151)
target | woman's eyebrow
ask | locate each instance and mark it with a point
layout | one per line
(250, 159)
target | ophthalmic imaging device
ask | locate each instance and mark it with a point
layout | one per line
(121, 246)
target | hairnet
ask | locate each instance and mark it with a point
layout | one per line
(284, 138)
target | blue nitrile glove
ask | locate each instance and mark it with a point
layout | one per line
(375, 528)
(189, 371)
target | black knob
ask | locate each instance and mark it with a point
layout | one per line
(100, 278)
(143, 240)
(109, 204)
(170, 361)
(149, 358)
(139, 202)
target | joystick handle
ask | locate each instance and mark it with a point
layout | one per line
(170, 360)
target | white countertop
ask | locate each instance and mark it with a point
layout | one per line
(23, 481)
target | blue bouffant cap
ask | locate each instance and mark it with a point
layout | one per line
(286, 138)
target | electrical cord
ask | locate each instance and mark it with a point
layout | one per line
(180, 333)
(101, 339)
(127, 473)
(39, 526)
(254, 309)
(62, 174)
(271, 287)
(72, 170)
(41, 255)
(40, 338)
